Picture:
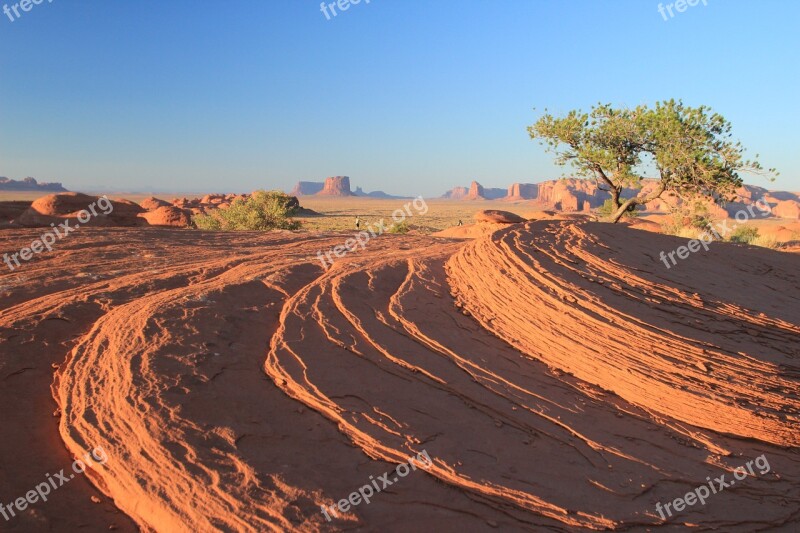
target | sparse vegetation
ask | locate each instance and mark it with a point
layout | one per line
(399, 227)
(261, 211)
(744, 234)
(766, 241)
(688, 220)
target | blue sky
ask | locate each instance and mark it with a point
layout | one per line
(406, 96)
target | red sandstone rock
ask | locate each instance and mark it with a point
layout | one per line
(336, 186)
(168, 216)
(498, 217)
(152, 203)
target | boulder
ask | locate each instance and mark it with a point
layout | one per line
(498, 217)
(168, 215)
(152, 203)
(57, 208)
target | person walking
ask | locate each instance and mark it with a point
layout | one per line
(358, 223)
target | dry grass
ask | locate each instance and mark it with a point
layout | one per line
(340, 213)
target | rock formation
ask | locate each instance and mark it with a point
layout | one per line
(152, 203)
(29, 184)
(456, 193)
(336, 186)
(168, 215)
(307, 188)
(498, 217)
(58, 208)
(522, 191)
(786, 209)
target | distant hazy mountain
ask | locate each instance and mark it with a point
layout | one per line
(29, 184)
(337, 186)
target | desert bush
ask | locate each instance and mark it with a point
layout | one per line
(765, 241)
(262, 210)
(688, 220)
(744, 234)
(399, 227)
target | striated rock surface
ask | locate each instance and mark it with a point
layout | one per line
(557, 374)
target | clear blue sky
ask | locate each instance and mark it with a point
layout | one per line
(407, 96)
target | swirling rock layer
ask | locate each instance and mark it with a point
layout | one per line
(558, 375)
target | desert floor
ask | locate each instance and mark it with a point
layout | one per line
(557, 374)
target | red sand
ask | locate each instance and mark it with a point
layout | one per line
(234, 384)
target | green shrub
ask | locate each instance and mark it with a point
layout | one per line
(744, 234)
(262, 210)
(399, 227)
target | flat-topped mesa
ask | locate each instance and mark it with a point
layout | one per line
(29, 184)
(336, 186)
(456, 193)
(307, 188)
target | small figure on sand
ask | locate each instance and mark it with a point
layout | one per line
(460, 223)
(358, 223)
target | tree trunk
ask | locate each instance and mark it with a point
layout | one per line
(631, 203)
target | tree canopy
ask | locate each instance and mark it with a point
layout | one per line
(688, 149)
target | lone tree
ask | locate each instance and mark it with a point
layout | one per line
(688, 149)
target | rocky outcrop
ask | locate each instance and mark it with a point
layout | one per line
(168, 215)
(522, 191)
(456, 193)
(10, 211)
(570, 194)
(336, 186)
(786, 209)
(307, 188)
(475, 191)
(29, 184)
(479, 192)
(58, 208)
(498, 217)
(153, 203)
